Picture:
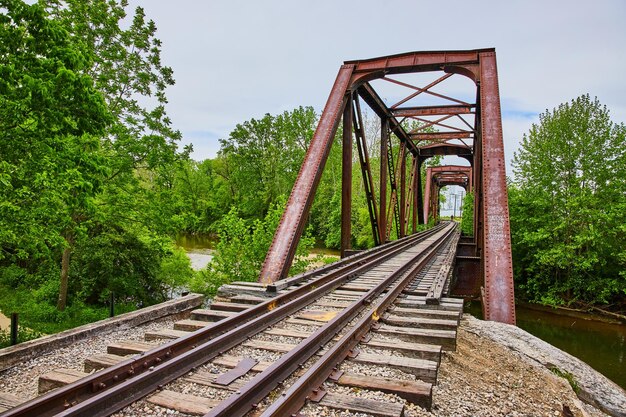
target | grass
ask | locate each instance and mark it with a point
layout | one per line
(38, 317)
(567, 376)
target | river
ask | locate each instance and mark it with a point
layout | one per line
(199, 249)
(5, 322)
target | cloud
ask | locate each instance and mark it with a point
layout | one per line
(236, 60)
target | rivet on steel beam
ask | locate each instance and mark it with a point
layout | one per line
(102, 385)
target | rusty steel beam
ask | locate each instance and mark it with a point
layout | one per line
(420, 90)
(419, 197)
(368, 181)
(346, 180)
(402, 196)
(283, 247)
(427, 192)
(416, 189)
(408, 203)
(369, 95)
(416, 62)
(394, 171)
(439, 136)
(432, 110)
(382, 207)
(429, 123)
(435, 149)
(497, 259)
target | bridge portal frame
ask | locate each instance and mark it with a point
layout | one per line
(491, 223)
(439, 177)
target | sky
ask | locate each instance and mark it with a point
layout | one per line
(235, 60)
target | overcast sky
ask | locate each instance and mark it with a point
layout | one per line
(236, 60)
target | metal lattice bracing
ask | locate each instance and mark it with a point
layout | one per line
(472, 131)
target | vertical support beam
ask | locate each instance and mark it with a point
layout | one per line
(497, 260)
(408, 204)
(346, 179)
(417, 185)
(368, 182)
(434, 199)
(283, 247)
(403, 195)
(393, 213)
(420, 195)
(427, 194)
(382, 207)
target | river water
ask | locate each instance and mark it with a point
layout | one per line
(199, 249)
(601, 345)
(5, 322)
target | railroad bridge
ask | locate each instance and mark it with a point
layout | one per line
(289, 346)
(484, 260)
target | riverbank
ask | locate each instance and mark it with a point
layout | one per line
(501, 370)
(596, 314)
(595, 341)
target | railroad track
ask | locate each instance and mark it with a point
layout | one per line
(303, 343)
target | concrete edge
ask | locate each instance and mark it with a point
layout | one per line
(33, 348)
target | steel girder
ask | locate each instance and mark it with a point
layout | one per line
(485, 153)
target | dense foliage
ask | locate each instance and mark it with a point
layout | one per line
(85, 151)
(467, 218)
(568, 205)
(242, 247)
(93, 185)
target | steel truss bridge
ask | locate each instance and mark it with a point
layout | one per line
(483, 263)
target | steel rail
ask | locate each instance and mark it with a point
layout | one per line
(296, 279)
(290, 402)
(259, 387)
(164, 360)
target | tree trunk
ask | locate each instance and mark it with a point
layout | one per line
(65, 272)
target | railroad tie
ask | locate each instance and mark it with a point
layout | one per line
(8, 401)
(58, 378)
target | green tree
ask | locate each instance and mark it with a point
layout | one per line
(568, 205)
(50, 119)
(140, 145)
(87, 152)
(263, 158)
(242, 247)
(202, 195)
(467, 218)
